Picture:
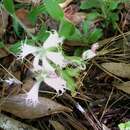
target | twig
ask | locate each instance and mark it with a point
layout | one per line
(105, 108)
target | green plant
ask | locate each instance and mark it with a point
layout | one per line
(105, 11)
(124, 126)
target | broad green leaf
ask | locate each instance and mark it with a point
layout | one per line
(9, 6)
(66, 28)
(113, 5)
(42, 34)
(86, 26)
(17, 28)
(15, 48)
(73, 72)
(70, 81)
(113, 17)
(76, 36)
(92, 16)
(60, 1)
(95, 35)
(54, 9)
(35, 12)
(78, 51)
(88, 4)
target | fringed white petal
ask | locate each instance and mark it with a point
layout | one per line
(46, 65)
(57, 58)
(26, 50)
(53, 40)
(56, 83)
(32, 95)
(36, 66)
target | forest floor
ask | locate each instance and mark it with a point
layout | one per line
(102, 99)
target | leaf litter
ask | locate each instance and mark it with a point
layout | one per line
(103, 93)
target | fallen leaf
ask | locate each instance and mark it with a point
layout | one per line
(57, 125)
(73, 16)
(118, 69)
(17, 106)
(125, 87)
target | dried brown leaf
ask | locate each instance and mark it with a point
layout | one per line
(118, 69)
(125, 87)
(17, 106)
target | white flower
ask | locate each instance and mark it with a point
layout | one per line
(10, 81)
(53, 40)
(57, 58)
(95, 46)
(89, 54)
(56, 82)
(26, 50)
(32, 95)
(43, 54)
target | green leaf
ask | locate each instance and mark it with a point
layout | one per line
(113, 17)
(54, 9)
(42, 35)
(2, 44)
(86, 26)
(78, 51)
(9, 6)
(88, 4)
(124, 126)
(121, 126)
(73, 72)
(95, 35)
(66, 28)
(15, 48)
(35, 12)
(92, 16)
(70, 81)
(17, 28)
(60, 1)
(113, 5)
(75, 36)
